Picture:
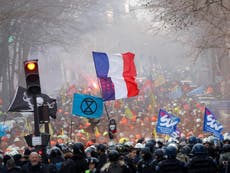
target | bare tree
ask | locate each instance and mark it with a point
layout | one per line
(208, 24)
(31, 25)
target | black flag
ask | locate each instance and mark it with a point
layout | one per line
(23, 102)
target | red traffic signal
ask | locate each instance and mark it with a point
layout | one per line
(32, 76)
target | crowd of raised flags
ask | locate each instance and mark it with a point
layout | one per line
(117, 78)
(117, 75)
(167, 124)
(114, 85)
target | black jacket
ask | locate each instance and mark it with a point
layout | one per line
(171, 166)
(202, 164)
(40, 168)
(77, 164)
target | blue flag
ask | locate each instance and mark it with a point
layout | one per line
(197, 91)
(211, 124)
(176, 133)
(175, 93)
(3, 130)
(87, 106)
(166, 123)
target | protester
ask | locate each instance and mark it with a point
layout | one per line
(92, 161)
(171, 164)
(78, 162)
(224, 161)
(130, 159)
(2, 166)
(145, 164)
(115, 165)
(102, 157)
(56, 158)
(200, 161)
(34, 165)
(11, 166)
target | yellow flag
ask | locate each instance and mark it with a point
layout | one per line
(166, 138)
(96, 132)
(62, 131)
(155, 133)
(153, 102)
(128, 113)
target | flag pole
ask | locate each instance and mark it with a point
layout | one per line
(106, 110)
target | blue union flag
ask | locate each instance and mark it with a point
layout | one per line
(166, 123)
(211, 124)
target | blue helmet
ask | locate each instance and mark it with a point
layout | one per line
(192, 140)
(101, 147)
(146, 153)
(185, 150)
(226, 148)
(199, 149)
(92, 160)
(171, 151)
(113, 155)
(159, 153)
(78, 148)
(150, 145)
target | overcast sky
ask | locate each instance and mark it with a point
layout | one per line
(114, 27)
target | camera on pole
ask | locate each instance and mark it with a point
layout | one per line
(32, 76)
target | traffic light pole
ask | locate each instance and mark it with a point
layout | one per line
(36, 117)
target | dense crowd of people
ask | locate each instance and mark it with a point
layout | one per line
(181, 155)
(136, 147)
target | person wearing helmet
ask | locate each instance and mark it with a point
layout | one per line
(78, 162)
(171, 164)
(91, 151)
(56, 159)
(92, 162)
(144, 165)
(183, 154)
(12, 167)
(191, 142)
(158, 156)
(213, 147)
(200, 161)
(151, 146)
(102, 157)
(224, 160)
(226, 138)
(130, 159)
(115, 164)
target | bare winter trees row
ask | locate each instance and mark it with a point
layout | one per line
(207, 23)
(31, 25)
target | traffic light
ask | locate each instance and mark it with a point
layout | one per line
(32, 76)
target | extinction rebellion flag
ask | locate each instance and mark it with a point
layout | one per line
(87, 106)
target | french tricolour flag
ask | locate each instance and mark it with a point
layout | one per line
(117, 74)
